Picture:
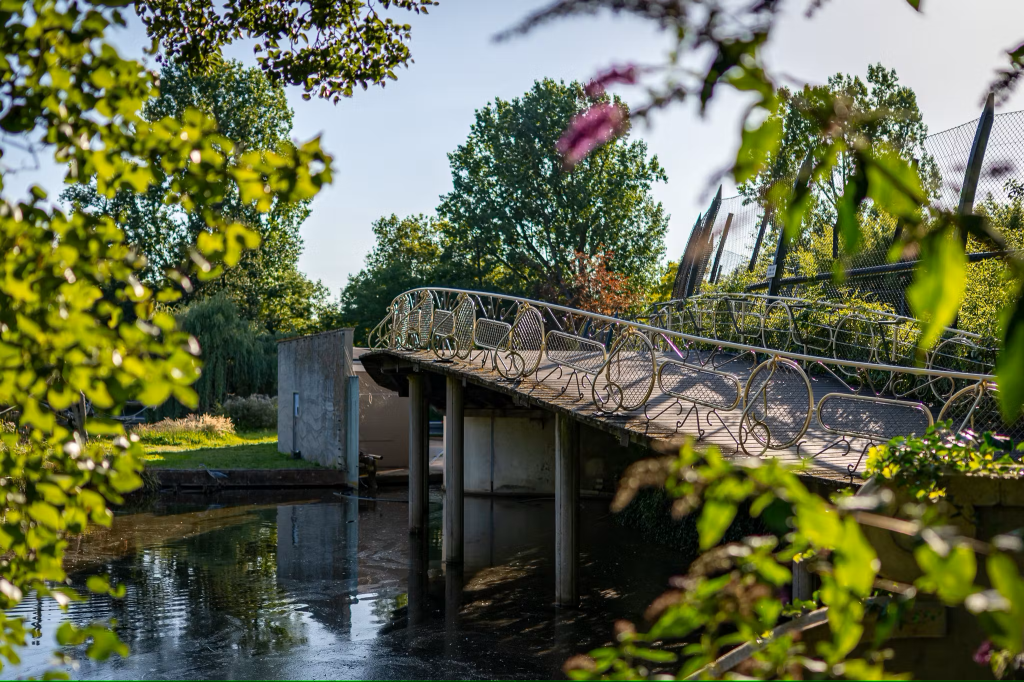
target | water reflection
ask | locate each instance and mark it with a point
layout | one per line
(330, 586)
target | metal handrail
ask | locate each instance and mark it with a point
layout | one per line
(732, 345)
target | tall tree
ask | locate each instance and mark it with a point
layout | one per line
(253, 112)
(885, 119)
(519, 222)
(406, 255)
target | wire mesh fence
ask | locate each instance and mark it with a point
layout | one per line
(733, 247)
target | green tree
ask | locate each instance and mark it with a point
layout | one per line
(327, 49)
(516, 220)
(239, 358)
(65, 92)
(406, 255)
(266, 284)
(887, 119)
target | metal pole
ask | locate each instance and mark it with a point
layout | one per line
(454, 457)
(419, 454)
(778, 266)
(679, 285)
(567, 492)
(702, 253)
(760, 238)
(976, 159)
(721, 248)
(973, 172)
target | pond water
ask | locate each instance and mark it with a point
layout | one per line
(317, 585)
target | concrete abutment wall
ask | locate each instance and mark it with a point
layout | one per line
(312, 410)
(512, 451)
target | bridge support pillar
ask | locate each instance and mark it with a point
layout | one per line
(419, 451)
(567, 497)
(454, 459)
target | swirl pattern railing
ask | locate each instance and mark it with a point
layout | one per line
(780, 364)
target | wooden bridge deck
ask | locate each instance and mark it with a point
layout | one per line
(671, 419)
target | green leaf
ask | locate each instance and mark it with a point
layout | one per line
(155, 392)
(45, 514)
(938, 286)
(654, 655)
(756, 145)
(1002, 571)
(714, 521)
(857, 563)
(67, 634)
(1010, 362)
(1006, 629)
(894, 185)
(950, 577)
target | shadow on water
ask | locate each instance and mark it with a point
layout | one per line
(274, 585)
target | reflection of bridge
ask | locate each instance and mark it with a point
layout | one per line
(757, 375)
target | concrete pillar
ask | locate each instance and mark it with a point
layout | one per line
(567, 497)
(419, 453)
(352, 432)
(454, 458)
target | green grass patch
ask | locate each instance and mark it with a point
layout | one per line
(197, 440)
(249, 455)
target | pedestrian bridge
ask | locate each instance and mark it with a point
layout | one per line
(756, 375)
(759, 376)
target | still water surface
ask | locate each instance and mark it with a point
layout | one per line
(315, 585)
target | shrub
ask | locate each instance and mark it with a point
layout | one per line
(195, 429)
(252, 413)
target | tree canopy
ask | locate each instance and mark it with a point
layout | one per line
(265, 285)
(516, 219)
(326, 49)
(406, 255)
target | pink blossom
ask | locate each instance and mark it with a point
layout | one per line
(984, 653)
(626, 74)
(589, 130)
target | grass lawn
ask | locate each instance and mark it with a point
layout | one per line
(194, 450)
(246, 456)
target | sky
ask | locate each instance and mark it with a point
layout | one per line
(390, 145)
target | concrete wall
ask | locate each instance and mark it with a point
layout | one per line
(383, 420)
(520, 446)
(315, 367)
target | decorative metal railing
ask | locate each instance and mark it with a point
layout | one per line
(724, 353)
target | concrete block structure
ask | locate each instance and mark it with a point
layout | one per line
(313, 385)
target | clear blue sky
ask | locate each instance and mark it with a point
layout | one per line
(390, 145)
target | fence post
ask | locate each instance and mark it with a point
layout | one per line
(760, 238)
(679, 285)
(702, 250)
(975, 160)
(775, 270)
(715, 270)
